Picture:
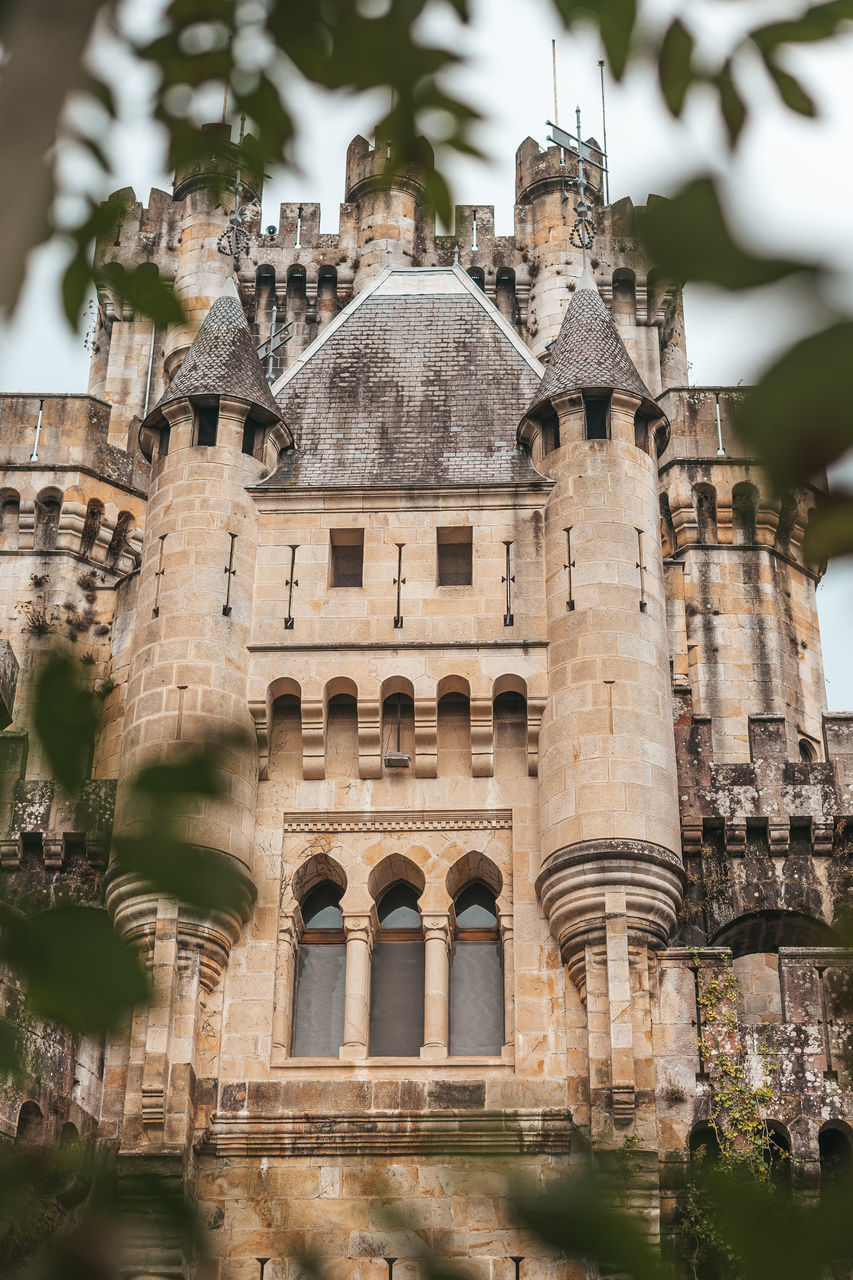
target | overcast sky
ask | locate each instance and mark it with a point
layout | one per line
(791, 186)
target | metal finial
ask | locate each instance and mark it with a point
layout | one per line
(583, 229)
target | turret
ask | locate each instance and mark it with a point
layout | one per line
(545, 215)
(390, 215)
(611, 877)
(216, 430)
(206, 192)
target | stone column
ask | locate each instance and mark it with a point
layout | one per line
(359, 936)
(436, 986)
(509, 983)
(282, 1024)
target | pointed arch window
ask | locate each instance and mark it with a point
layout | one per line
(318, 1011)
(476, 975)
(397, 979)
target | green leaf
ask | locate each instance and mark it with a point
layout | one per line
(797, 418)
(818, 23)
(75, 968)
(143, 289)
(196, 876)
(65, 716)
(792, 92)
(688, 238)
(615, 20)
(674, 66)
(830, 531)
(732, 106)
(75, 288)
(579, 1217)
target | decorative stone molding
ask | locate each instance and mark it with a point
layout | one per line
(573, 884)
(397, 1134)
(401, 820)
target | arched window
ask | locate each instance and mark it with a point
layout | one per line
(510, 728)
(453, 724)
(68, 1134)
(744, 509)
(30, 1130)
(704, 1145)
(777, 1156)
(505, 293)
(91, 526)
(10, 514)
(327, 294)
(836, 1161)
(318, 1005)
(397, 980)
(476, 975)
(705, 497)
(624, 297)
(342, 736)
(47, 524)
(478, 275)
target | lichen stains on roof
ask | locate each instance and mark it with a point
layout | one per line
(419, 383)
(589, 355)
(222, 361)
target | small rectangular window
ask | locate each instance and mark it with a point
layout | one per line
(347, 557)
(165, 432)
(206, 422)
(597, 413)
(455, 556)
(249, 429)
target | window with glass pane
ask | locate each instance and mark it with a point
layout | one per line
(397, 978)
(476, 976)
(318, 1013)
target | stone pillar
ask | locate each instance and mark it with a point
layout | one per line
(285, 978)
(508, 944)
(436, 986)
(359, 936)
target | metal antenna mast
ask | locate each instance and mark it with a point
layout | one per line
(604, 133)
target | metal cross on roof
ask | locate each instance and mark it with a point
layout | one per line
(235, 238)
(583, 229)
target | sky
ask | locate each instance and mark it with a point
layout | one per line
(790, 187)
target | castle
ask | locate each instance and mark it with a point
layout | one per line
(536, 749)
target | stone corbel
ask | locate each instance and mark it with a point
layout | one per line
(10, 853)
(426, 738)
(53, 852)
(691, 837)
(766, 525)
(725, 525)
(313, 738)
(26, 524)
(259, 713)
(735, 837)
(685, 525)
(535, 711)
(482, 738)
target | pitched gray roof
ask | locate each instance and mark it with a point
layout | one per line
(420, 381)
(589, 354)
(222, 361)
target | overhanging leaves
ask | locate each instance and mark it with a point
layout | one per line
(65, 717)
(75, 967)
(687, 236)
(797, 419)
(674, 66)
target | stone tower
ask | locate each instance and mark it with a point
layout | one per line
(611, 876)
(215, 430)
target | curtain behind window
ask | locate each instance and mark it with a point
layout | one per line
(476, 998)
(397, 999)
(318, 1019)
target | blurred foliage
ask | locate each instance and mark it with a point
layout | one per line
(250, 54)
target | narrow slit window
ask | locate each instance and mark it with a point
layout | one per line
(347, 557)
(206, 423)
(455, 557)
(597, 416)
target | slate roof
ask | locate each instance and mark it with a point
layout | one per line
(223, 361)
(589, 354)
(419, 381)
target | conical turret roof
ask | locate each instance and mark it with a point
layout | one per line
(222, 361)
(589, 355)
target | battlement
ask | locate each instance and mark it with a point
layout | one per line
(772, 792)
(366, 167)
(538, 170)
(72, 434)
(693, 413)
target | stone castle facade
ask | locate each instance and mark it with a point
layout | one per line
(528, 661)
